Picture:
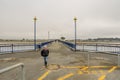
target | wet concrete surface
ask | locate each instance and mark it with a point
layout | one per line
(72, 65)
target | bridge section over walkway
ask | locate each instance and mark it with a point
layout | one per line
(64, 64)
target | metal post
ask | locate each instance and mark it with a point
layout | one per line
(115, 49)
(96, 48)
(13, 67)
(118, 59)
(23, 72)
(88, 59)
(48, 35)
(75, 19)
(35, 33)
(12, 48)
(83, 47)
(0, 49)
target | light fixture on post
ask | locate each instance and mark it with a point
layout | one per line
(75, 19)
(35, 33)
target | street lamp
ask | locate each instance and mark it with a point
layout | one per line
(48, 36)
(75, 19)
(35, 32)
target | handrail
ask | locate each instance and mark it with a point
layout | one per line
(11, 48)
(13, 67)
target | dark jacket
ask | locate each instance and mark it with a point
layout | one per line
(45, 52)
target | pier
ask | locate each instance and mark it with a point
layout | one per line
(63, 64)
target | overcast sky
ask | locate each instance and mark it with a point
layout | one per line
(96, 18)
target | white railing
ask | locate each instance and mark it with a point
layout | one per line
(13, 67)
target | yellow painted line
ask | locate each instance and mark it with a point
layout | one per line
(102, 77)
(103, 66)
(80, 72)
(100, 66)
(66, 76)
(89, 66)
(71, 66)
(44, 75)
(112, 69)
(84, 68)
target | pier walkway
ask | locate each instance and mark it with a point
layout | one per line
(63, 64)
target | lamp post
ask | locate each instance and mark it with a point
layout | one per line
(75, 19)
(48, 36)
(35, 33)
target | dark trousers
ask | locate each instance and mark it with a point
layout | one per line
(45, 61)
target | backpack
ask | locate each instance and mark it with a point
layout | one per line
(44, 53)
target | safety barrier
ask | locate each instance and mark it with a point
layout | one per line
(107, 48)
(10, 48)
(104, 54)
(94, 53)
(43, 44)
(70, 45)
(5, 70)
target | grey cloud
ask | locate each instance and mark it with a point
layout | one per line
(96, 18)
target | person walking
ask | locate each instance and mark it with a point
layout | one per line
(45, 54)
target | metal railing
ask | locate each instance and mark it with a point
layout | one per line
(107, 48)
(10, 48)
(70, 45)
(43, 44)
(118, 59)
(112, 51)
(107, 59)
(93, 52)
(13, 67)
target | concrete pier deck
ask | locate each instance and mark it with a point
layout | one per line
(63, 64)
